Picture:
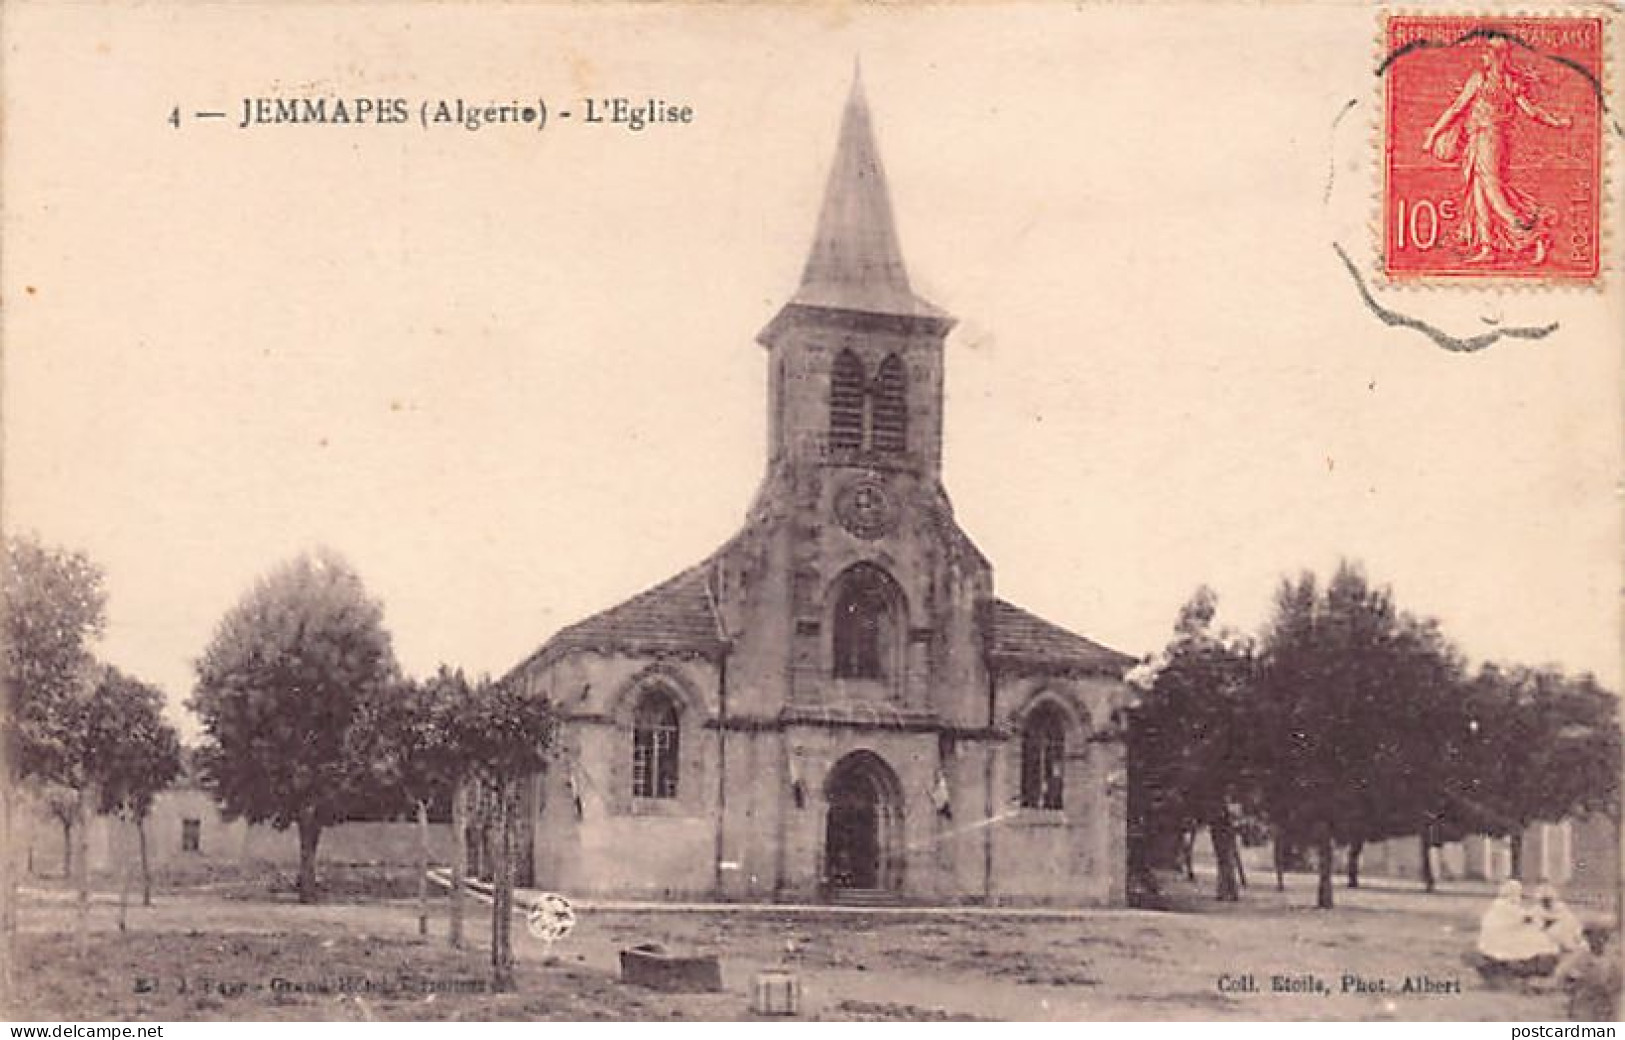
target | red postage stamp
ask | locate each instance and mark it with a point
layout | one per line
(1492, 148)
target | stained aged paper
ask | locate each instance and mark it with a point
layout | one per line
(476, 296)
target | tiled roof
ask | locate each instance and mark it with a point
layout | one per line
(679, 616)
(676, 616)
(1027, 639)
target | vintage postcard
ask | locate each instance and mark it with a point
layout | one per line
(811, 512)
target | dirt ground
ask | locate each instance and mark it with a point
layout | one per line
(204, 954)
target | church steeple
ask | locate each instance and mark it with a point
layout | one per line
(855, 379)
(856, 263)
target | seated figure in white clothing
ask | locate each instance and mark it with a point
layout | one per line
(1512, 938)
(1558, 921)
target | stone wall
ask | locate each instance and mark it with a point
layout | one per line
(220, 841)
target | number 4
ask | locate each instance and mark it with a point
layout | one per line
(175, 117)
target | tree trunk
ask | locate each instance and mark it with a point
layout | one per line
(1223, 834)
(423, 868)
(1323, 891)
(459, 860)
(502, 906)
(81, 866)
(67, 847)
(1427, 861)
(310, 832)
(1241, 868)
(1278, 843)
(1187, 850)
(8, 877)
(1355, 848)
(1515, 846)
(124, 874)
(146, 866)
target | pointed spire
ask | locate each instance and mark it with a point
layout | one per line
(856, 262)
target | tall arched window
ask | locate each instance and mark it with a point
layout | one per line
(654, 746)
(890, 412)
(1043, 752)
(864, 625)
(846, 393)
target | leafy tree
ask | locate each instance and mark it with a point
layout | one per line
(55, 608)
(277, 689)
(1415, 713)
(503, 734)
(1357, 695)
(405, 739)
(135, 755)
(1418, 746)
(1192, 740)
(1540, 746)
(111, 752)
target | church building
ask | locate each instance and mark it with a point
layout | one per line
(835, 705)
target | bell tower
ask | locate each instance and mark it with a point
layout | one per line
(856, 357)
(882, 586)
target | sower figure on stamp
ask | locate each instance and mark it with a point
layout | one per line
(1498, 220)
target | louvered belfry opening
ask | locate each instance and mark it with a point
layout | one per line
(890, 408)
(865, 415)
(846, 394)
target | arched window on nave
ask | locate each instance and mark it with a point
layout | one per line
(654, 746)
(865, 626)
(1043, 754)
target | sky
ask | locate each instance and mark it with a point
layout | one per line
(511, 374)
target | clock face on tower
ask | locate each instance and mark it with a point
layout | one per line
(865, 508)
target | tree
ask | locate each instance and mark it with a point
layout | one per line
(62, 803)
(1417, 718)
(405, 737)
(1192, 740)
(136, 754)
(55, 608)
(1540, 746)
(277, 690)
(503, 734)
(1357, 695)
(111, 752)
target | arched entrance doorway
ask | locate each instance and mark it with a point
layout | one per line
(863, 825)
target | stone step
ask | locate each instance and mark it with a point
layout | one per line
(865, 897)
